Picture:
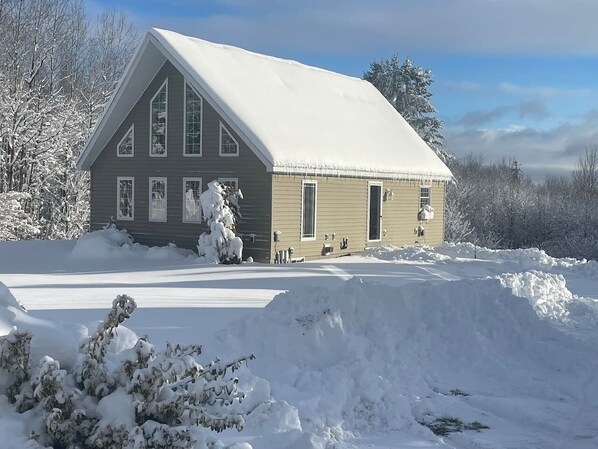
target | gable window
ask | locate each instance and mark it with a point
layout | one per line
(308, 211)
(228, 145)
(193, 107)
(126, 198)
(424, 196)
(157, 199)
(191, 200)
(125, 147)
(158, 118)
(230, 182)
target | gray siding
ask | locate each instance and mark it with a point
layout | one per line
(254, 181)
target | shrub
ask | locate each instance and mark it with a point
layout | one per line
(148, 399)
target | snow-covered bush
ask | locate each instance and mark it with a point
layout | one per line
(220, 206)
(140, 398)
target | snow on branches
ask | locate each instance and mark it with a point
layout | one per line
(141, 398)
(220, 206)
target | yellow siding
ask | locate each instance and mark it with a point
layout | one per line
(342, 210)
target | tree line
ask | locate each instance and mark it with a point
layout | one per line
(57, 71)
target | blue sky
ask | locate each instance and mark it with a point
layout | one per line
(513, 78)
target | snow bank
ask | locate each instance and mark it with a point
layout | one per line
(54, 339)
(510, 259)
(552, 300)
(416, 253)
(369, 357)
(112, 242)
(526, 259)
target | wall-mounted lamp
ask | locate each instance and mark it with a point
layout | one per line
(388, 195)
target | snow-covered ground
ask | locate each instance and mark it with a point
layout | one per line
(356, 351)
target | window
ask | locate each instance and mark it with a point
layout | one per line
(157, 199)
(125, 147)
(308, 211)
(228, 144)
(126, 198)
(193, 107)
(191, 200)
(230, 182)
(424, 196)
(158, 116)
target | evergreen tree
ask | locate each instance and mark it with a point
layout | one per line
(220, 206)
(407, 88)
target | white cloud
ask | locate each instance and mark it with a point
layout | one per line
(541, 91)
(355, 27)
(542, 151)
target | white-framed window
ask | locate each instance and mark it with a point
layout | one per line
(191, 200)
(228, 145)
(230, 182)
(424, 196)
(193, 122)
(126, 146)
(159, 121)
(308, 209)
(125, 198)
(158, 199)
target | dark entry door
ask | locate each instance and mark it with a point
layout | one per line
(375, 212)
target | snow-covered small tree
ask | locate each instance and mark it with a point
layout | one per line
(220, 206)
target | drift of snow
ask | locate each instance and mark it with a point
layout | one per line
(367, 355)
(112, 242)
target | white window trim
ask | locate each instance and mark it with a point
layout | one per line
(220, 142)
(223, 180)
(165, 83)
(374, 183)
(419, 198)
(118, 180)
(149, 203)
(132, 131)
(315, 183)
(185, 179)
(185, 154)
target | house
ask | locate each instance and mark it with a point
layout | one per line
(325, 163)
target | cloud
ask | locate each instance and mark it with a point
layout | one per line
(482, 117)
(541, 91)
(535, 110)
(541, 151)
(358, 27)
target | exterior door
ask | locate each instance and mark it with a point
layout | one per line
(375, 212)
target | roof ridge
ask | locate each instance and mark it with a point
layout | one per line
(278, 59)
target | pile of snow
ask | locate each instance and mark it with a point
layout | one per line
(373, 358)
(411, 253)
(55, 339)
(526, 259)
(551, 299)
(112, 242)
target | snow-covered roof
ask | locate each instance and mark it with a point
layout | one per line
(296, 118)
